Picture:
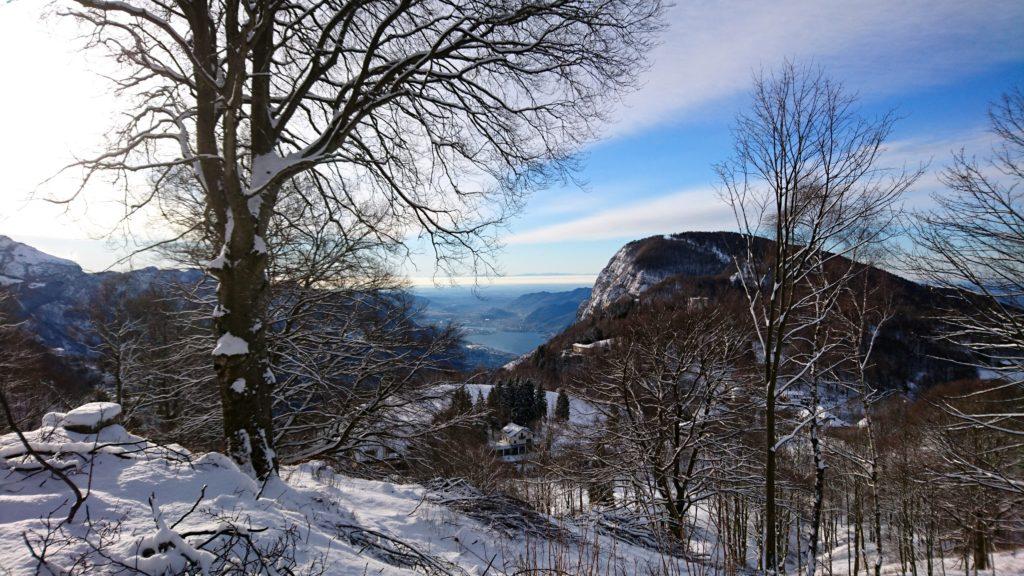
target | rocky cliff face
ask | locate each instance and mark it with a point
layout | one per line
(667, 272)
(641, 264)
(52, 293)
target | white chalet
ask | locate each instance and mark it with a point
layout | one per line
(379, 453)
(515, 441)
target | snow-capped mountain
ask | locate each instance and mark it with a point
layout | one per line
(52, 293)
(20, 263)
(672, 270)
(641, 264)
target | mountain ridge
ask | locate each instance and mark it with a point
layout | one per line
(671, 270)
(53, 293)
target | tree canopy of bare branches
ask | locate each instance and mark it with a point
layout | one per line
(972, 245)
(434, 116)
(806, 175)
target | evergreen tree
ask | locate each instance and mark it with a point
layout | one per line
(461, 402)
(522, 402)
(540, 404)
(519, 401)
(562, 406)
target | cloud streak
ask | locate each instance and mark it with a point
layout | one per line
(692, 209)
(701, 208)
(711, 48)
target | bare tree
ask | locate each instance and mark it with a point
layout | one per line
(864, 310)
(116, 326)
(357, 371)
(663, 397)
(972, 245)
(805, 175)
(439, 113)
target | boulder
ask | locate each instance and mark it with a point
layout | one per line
(92, 417)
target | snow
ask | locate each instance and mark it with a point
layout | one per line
(162, 510)
(516, 362)
(254, 203)
(52, 419)
(265, 167)
(628, 275)
(825, 417)
(22, 261)
(166, 552)
(220, 261)
(230, 345)
(599, 345)
(511, 429)
(259, 246)
(239, 386)
(92, 415)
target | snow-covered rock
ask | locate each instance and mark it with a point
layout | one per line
(92, 417)
(641, 264)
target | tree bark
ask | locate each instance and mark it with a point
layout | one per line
(819, 492)
(244, 380)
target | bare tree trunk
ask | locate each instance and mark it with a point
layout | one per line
(875, 496)
(242, 366)
(980, 548)
(770, 559)
(819, 492)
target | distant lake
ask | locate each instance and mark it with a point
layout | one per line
(512, 342)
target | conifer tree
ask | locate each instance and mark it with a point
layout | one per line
(562, 406)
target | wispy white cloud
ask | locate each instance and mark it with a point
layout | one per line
(711, 48)
(693, 209)
(512, 280)
(703, 209)
(935, 152)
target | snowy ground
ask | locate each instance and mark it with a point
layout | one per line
(156, 510)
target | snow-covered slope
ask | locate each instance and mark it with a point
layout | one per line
(581, 413)
(641, 264)
(162, 509)
(23, 263)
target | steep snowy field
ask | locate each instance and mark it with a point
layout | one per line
(155, 510)
(160, 510)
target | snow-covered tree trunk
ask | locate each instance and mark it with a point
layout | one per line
(244, 375)
(819, 487)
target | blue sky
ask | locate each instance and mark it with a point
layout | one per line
(937, 62)
(660, 179)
